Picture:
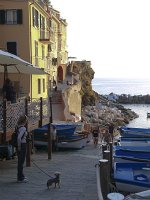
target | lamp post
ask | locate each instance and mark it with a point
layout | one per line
(49, 126)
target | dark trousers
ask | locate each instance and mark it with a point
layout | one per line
(21, 159)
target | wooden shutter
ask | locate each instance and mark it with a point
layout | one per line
(2, 16)
(19, 16)
(33, 17)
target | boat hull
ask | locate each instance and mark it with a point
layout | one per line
(72, 144)
(132, 177)
(134, 132)
(134, 143)
(124, 187)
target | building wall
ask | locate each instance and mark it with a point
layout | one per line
(18, 33)
(39, 60)
(25, 36)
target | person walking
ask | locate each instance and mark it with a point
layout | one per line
(111, 130)
(95, 134)
(21, 147)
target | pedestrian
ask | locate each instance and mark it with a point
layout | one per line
(9, 91)
(95, 134)
(106, 137)
(21, 147)
(111, 130)
(54, 139)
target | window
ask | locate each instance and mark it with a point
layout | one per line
(12, 47)
(43, 85)
(35, 16)
(39, 86)
(42, 22)
(36, 49)
(11, 16)
(49, 48)
(36, 53)
(43, 52)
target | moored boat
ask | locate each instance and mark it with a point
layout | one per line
(134, 132)
(75, 143)
(131, 154)
(139, 195)
(134, 141)
(132, 177)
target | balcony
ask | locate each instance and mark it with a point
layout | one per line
(44, 36)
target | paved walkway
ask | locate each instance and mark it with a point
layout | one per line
(78, 176)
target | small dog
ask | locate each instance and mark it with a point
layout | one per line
(55, 180)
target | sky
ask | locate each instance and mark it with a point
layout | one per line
(113, 34)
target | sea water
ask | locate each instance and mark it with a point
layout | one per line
(127, 86)
(121, 86)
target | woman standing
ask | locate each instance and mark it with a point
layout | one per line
(21, 149)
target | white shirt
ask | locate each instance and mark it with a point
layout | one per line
(22, 134)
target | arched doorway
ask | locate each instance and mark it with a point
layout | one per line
(60, 73)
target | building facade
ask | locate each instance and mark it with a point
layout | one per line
(30, 30)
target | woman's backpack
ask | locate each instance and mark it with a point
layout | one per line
(14, 137)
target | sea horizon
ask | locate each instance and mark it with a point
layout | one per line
(132, 86)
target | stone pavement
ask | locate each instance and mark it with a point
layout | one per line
(78, 176)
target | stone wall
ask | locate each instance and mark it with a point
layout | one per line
(72, 100)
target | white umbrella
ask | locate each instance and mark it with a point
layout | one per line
(10, 63)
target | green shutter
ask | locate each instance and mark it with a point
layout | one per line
(19, 16)
(2, 16)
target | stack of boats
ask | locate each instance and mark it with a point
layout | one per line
(68, 134)
(132, 160)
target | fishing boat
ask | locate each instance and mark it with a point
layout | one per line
(134, 138)
(131, 154)
(132, 177)
(134, 141)
(79, 125)
(74, 143)
(41, 134)
(134, 132)
(60, 131)
(139, 195)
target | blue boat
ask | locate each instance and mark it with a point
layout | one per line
(60, 131)
(79, 125)
(41, 134)
(134, 141)
(134, 138)
(132, 148)
(132, 154)
(134, 132)
(132, 177)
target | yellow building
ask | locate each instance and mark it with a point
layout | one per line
(29, 29)
(62, 49)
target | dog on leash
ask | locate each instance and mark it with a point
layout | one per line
(55, 180)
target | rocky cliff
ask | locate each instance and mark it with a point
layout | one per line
(95, 107)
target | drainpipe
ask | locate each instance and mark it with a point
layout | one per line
(30, 43)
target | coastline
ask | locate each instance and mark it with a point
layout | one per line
(105, 112)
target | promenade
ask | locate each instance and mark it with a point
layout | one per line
(78, 176)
